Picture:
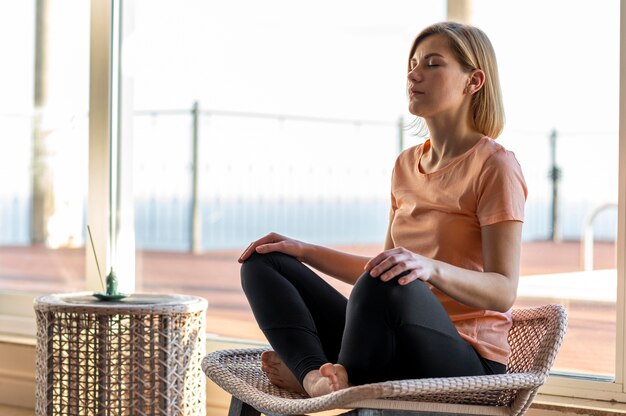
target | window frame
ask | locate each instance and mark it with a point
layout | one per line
(101, 132)
(16, 311)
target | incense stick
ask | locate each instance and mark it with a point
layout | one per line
(96, 257)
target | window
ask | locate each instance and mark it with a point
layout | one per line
(43, 162)
(251, 171)
(221, 117)
(253, 118)
(553, 122)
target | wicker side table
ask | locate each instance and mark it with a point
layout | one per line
(140, 355)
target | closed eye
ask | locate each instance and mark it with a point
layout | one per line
(433, 62)
(429, 63)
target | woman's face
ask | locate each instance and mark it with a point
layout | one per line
(436, 82)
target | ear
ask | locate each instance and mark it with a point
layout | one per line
(475, 81)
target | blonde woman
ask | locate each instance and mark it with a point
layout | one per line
(436, 302)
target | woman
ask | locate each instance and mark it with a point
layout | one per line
(436, 302)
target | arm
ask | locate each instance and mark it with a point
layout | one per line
(342, 266)
(345, 267)
(494, 289)
(388, 240)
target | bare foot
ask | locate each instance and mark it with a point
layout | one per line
(279, 374)
(329, 378)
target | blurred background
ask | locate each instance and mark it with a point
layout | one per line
(242, 117)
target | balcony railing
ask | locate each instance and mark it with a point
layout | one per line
(208, 179)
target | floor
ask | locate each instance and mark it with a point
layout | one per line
(215, 276)
(15, 411)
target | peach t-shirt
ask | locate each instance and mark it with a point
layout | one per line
(439, 215)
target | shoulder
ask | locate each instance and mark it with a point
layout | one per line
(495, 155)
(411, 153)
(409, 157)
(500, 169)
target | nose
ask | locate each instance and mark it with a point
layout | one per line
(415, 74)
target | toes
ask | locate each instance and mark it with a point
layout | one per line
(327, 370)
(268, 356)
(274, 379)
(270, 362)
(271, 370)
(271, 358)
(278, 373)
(336, 376)
(342, 376)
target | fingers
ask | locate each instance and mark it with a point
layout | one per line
(270, 238)
(408, 278)
(386, 260)
(246, 253)
(397, 262)
(268, 248)
(373, 262)
(393, 272)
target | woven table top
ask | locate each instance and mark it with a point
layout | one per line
(135, 303)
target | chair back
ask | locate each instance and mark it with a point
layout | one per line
(535, 338)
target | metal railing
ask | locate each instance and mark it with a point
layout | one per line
(195, 226)
(587, 240)
(206, 214)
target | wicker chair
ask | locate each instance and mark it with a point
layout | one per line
(535, 338)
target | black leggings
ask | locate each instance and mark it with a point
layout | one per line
(383, 332)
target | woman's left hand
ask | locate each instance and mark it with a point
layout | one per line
(393, 262)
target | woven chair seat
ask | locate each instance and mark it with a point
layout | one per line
(535, 338)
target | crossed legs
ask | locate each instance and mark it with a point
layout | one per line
(322, 341)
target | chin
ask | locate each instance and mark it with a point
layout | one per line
(416, 112)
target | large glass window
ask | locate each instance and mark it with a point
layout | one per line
(252, 130)
(252, 118)
(565, 135)
(243, 118)
(43, 162)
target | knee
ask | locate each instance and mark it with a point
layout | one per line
(256, 259)
(366, 285)
(252, 262)
(251, 266)
(369, 291)
(257, 263)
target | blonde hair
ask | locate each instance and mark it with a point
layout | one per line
(473, 50)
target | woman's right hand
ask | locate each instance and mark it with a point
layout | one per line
(274, 242)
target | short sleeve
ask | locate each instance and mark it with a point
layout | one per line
(501, 190)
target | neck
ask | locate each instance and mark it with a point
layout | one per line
(451, 136)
